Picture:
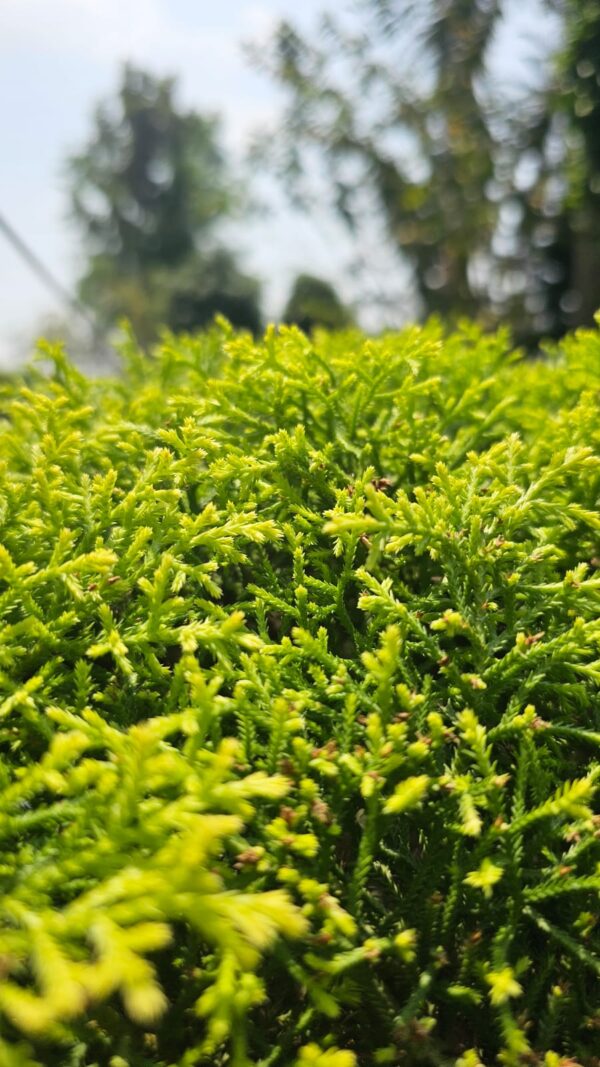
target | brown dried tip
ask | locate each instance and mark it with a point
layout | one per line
(532, 639)
(381, 484)
(418, 1031)
(249, 856)
(531, 1058)
(321, 812)
(112, 579)
(323, 938)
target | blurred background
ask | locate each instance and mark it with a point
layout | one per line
(339, 161)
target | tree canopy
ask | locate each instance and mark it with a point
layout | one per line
(314, 302)
(491, 196)
(149, 190)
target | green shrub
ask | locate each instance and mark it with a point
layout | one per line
(299, 724)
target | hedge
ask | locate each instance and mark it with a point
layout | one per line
(299, 718)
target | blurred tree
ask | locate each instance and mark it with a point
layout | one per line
(148, 191)
(201, 290)
(491, 198)
(394, 110)
(580, 91)
(314, 302)
(558, 195)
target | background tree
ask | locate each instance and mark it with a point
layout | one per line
(314, 302)
(391, 107)
(490, 197)
(558, 195)
(149, 191)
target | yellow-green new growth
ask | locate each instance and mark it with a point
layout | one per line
(298, 697)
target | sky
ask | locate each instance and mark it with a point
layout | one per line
(59, 57)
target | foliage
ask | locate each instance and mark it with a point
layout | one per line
(489, 193)
(314, 302)
(299, 719)
(148, 192)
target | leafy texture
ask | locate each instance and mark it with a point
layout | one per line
(299, 725)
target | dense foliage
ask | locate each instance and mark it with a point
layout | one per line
(299, 724)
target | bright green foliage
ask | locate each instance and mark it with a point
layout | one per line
(299, 719)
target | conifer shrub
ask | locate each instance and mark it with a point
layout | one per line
(299, 719)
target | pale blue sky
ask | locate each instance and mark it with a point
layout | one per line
(58, 57)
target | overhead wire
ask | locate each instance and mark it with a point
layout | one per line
(45, 275)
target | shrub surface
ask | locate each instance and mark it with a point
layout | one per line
(299, 724)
